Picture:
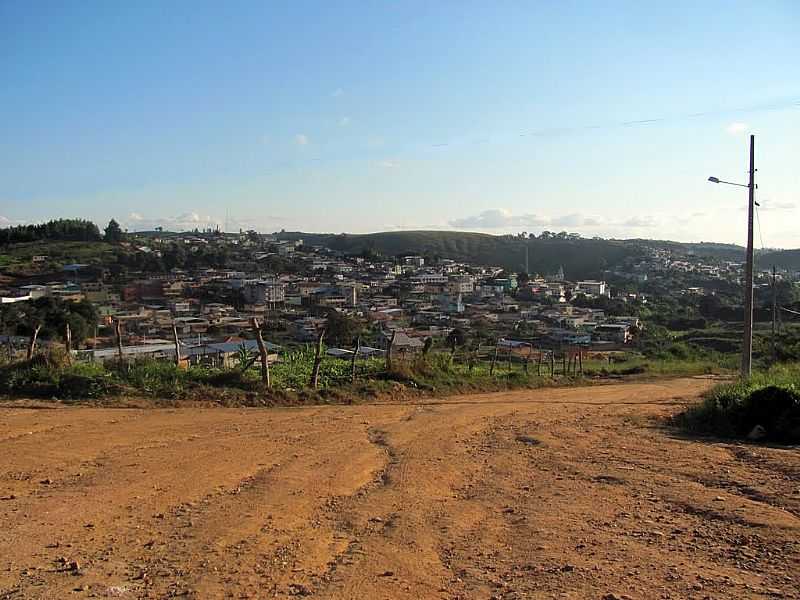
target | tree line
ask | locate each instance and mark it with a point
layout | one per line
(68, 230)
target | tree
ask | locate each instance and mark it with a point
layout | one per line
(340, 329)
(113, 232)
(456, 337)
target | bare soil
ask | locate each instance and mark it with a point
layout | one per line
(553, 493)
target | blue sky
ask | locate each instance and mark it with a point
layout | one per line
(376, 115)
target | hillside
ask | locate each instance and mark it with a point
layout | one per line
(579, 257)
(783, 259)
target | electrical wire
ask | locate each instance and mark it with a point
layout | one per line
(758, 222)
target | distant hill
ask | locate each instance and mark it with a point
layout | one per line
(783, 259)
(580, 258)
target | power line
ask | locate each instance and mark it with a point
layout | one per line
(758, 221)
(555, 131)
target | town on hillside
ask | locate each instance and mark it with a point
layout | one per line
(206, 287)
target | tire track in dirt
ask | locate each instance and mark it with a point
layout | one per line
(537, 494)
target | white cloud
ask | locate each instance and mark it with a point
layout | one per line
(337, 93)
(387, 164)
(301, 139)
(502, 219)
(499, 218)
(187, 220)
(344, 121)
(766, 205)
(736, 128)
(639, 222)
(574, 220)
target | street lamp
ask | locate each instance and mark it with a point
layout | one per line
(747, 344)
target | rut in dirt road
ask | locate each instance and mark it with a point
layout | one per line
(574, 493)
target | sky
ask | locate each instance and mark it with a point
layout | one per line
(600, 118)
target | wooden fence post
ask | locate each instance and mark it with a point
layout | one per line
(32, 344)
(353, 362)
(262, 351)
(563, 363)
(68, 343)
(580, 359)
(317, 360)
(552, 363)
(494, 360)
(539, 360)
(118, 333)
(177, 346)
(389, 352)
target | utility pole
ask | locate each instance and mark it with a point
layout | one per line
(747, 345)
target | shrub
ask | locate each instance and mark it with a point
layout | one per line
(771, 400)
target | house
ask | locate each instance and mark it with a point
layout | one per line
(226, 354)
(363, 352)
(613, 332)
(403, 343)
(591, 287)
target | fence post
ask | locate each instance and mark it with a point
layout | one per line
(262, 351)
(317, 360)
(494, 360)
(118, 333)
(68, 343)
(552, 363)
(32, 345)
(563, 363)
(580, 359)
(389, 352)
(177, 345)
(353, 362)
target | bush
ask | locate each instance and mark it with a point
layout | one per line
(770, 400)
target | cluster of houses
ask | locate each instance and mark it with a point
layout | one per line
(405, 299)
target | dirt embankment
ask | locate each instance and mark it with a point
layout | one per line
(554, 493)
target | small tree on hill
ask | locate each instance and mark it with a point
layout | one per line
(113, 232)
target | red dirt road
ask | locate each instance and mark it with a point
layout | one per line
(554, 493)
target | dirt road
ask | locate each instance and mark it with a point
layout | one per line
(558, 493)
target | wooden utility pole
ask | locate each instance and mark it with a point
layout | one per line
(32, 344)
(177, 345)
(353, 362)
(262, 351)
(317, 360)
(747, 345)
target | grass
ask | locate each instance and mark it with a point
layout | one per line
(49, 376)
(769, 400)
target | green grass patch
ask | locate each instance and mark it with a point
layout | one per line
(769, 400)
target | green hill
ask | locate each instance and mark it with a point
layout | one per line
(580, 257)
(783, 259)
